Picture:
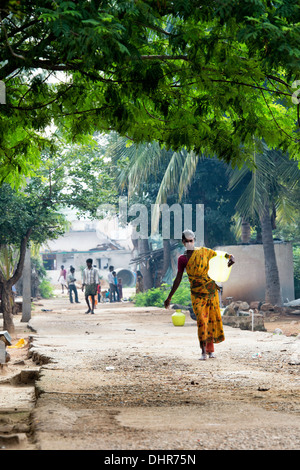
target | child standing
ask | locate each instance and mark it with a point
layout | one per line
(116, 285)
(120, 288)
(99, 292)
(62, 278)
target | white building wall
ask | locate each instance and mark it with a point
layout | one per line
(247, 279)
(117, 258)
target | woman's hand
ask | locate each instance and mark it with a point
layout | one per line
(231, 261)
(176, 283)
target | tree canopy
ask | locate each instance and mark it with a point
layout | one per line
(76, 178)
(205, 75)
(151, 175)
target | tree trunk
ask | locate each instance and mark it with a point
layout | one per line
(246, 232)
(7, 307)
(273, 291)
(167, 257)
(143, 248)
(258, 234)
(7, 299)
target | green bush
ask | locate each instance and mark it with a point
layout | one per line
(46, 288)
(155, 297)
(296, 256)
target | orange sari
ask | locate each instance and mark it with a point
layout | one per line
(205, 298)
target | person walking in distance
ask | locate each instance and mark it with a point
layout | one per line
(111, 281)
(71, 285)
(99, 293)
(90, 281)
(116, 285)
(62, 278)
(139, 287)
(120, 289)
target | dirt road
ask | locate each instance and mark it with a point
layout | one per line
(126, 378)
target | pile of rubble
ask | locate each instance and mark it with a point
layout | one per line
(239, 314)
(5, 340)
(248, 316)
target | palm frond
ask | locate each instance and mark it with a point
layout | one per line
(143, 164)
(169, 182)
(142, 161)
(8, 260)
(187, 172)
(272, 179)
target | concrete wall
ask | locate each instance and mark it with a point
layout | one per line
(247, 278)
(79, 241)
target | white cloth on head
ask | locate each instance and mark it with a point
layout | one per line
(188, 234)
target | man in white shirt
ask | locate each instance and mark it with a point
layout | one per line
(90, 281)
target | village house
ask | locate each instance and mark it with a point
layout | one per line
(85, 239)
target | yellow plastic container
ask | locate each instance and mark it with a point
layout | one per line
(218, 269)
(20, 344)
(178, 318)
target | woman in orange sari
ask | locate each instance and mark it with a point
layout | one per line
(204, 292)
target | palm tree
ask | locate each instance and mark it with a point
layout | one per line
(150, 160)
(268, 195)
(160, 176)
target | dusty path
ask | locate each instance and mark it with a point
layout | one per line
(126, 378)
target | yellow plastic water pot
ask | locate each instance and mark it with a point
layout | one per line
(178, 318)
(218, 269)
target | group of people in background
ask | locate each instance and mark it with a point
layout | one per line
(115, 286)
(91, 285)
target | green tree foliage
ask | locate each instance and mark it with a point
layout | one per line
(270, 191)
(76, 178)
(209, 186)
(151, 175)
(157, 296)
(205, 75)
(296, 257)
(275, 180)
(24, 217)
(46, 288)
